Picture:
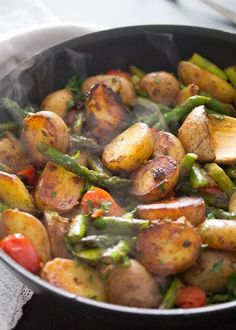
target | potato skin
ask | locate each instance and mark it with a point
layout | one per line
(219, 234)
(74, 277)
(132, 286)
(161, 87)
(232, 203)
(168, 247)
(155, 179)
(57, 102)
(167, 144)
(190, 73)
(203, 274)
(129, 149)
(17, 222)
(186, 92)
(47, 127)
(58, 189)
(192, 208)
(14, 193)
(105, 114)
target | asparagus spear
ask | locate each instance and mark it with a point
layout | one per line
(197, 177)
(231, 74)
(117, 253)
(9, 126)
(221, 214)
(90, 255)
(187, 164)
(98, 179)
(231, 172)
(96, 165)
(84, 142)
(134, 70)
(78, 228)
(17, 112)
(216, 105)
(170, 296)
(3, 207)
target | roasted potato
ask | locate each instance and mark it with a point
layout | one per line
(105, 114)
(129, 149)
(219, 234)
(47, 127)
(12, 153)
(14, 193)
(211, 271)
(167, 144)
(193, 208)
(17, 222)
(232, 203)
(161, 87)
(57, 102)
(132, 286)
(57, 228)
(76, 278)
(155, 179)
(186, 92)
(168, 247)
(190, 73)
(120, 85)
(58, 189)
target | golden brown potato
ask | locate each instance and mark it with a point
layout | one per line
(190, 73)
(129, 149)
(120, 85)
(193, 208)
(161, 87)
(155, 179)
(58, 189)
(57, 228)
(105, 114)
(47, 127)
(74, 277)
(17, 222)
(14, 193)
(57, 101)
(167, 144)
(186, 92)
(211, 271)
(132, 286)
(12, 153)
(219, 234)
(168, 247)
(232, 203)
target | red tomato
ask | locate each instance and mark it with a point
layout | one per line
(29, 174)
(95, 197)
(20, 248)
(190, 296)
(120, 73)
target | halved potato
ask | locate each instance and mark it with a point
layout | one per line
(168, 247)
(193, 208)
(190, 73)
(162, 87)
(47, 127)
(167, 144)
(155, 179)
(17, 222)
(76, 278)
(105, 114)
(57, 101)
(58, 189)
(129, 149)
(186, 92)
(14, 193)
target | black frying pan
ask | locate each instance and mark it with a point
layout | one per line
(151, 48)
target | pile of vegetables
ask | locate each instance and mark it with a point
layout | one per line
(121, 186)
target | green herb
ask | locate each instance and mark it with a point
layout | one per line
(161, 187)
(218, 266)
(70, 104)
(105, 206)
(158, 81)
(53, 194)
(162, 262)
(74, 84)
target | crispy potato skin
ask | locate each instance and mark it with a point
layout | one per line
(120, 85)
(57, 102)
(155, 179)
(132, 286)
(190, 73)
(14, 193)
(47, 127)
(105, 114)
(57, 227)
(17, 222)
(12, 153)
(219, 234)
(129, 149)
(74, 277)
(205, 276)
(232, 203)
(195, 136)
(186, 92)
(58, 189)
(167, 144)
(193, 208)
(161, 87)
(168, 247)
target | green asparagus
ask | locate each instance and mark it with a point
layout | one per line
(78, 228)
(187, 164)
(207, 65)
(134, 70)
(198, 177)
(9, 126)
(117, 253)
(216, 105)
(80, 141)
(170, 296)
(17, 112)
(96, 165)
(231, 74)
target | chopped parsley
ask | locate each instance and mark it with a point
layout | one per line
(217, 266)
